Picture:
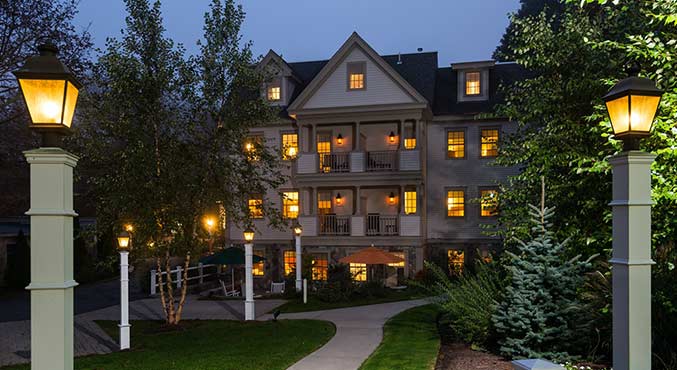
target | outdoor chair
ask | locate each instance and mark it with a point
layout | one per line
(228, 293)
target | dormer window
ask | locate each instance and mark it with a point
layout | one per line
(357, 76)
(274, 90)
(473, 83)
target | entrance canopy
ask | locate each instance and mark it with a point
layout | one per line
(372, 256)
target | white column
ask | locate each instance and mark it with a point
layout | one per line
(631, 260)
(249, 309)
(51, 287)
(298, 262)
(124, 300)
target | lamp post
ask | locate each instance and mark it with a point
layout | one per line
(297, 236)
(209, 225)
(50, 92)
(249, 309)
(632, 105)
(124, 243)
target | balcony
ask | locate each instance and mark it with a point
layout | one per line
(382, 161)
(371, 225)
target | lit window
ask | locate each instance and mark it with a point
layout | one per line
(358, 271)
(456, 144)
(255, 206)
(290, 204)
(410, 202)
(456, 260)
(323, 149)
(258, 269)
(488, 202)
(356, 74)
(320, 265)
(472, 83)
(410, 143)
(323, 202)
(489, 142)
(290, 146)
(289, 262)
(398, 264)
(274, 90)
(455, 203)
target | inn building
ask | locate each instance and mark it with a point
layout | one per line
(384, 150)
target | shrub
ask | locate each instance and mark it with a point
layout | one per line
(468, 302)
(371, 289)
(334, 292)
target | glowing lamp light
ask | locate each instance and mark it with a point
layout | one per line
(249, 147)
(339, 199)
(248, 235)
(123, 241)
(50, 92)
(632, 104)
(209, 223)
(291, 152)
(391, 198)
(298, 229)
(391, 137)
(129, 228)
(339, 139)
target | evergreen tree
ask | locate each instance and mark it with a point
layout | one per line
(534, 319)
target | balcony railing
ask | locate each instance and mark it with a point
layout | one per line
(382, 161)
(334, 225)
(334, 162)
(379, 225)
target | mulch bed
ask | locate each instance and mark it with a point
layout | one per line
(458, 356)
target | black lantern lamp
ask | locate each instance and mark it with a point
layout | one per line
(632, 104)
(50, 91)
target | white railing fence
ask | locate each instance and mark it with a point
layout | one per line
(334, 225)
(385, 160)
(382, 225)
(334, 162)
(195, 274)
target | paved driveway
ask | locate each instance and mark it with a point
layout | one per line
(359, 331)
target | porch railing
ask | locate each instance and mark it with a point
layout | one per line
(196, 274)
(334, 225)
(380, 161)
(334, 162)
(379, 225)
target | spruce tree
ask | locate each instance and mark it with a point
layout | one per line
(534, 319)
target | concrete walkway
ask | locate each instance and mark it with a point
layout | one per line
(15, 340)
(359, 331)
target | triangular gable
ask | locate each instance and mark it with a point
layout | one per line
(384, 84)
(273, 59)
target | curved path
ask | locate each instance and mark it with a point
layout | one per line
(359, 331)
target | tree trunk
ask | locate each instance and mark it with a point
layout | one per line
(171, 310)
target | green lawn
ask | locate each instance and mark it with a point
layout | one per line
(217, 345)
(410, 341)
(314, 304)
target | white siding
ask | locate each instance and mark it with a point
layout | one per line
(381, 89)
(410, 160)
(307, 163)
(357, 226)
(410, 226)
(309, 225)
(357, 162)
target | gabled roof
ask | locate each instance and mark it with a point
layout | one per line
(354, 41)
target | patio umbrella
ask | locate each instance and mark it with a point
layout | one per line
(230, 256)
(372, 256)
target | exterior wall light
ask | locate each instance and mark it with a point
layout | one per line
(391, 198)
(339, 139)
(339, 199)
(391, 137)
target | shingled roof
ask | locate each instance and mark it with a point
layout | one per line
(437, 85)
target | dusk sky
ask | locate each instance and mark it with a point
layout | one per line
(460, 30)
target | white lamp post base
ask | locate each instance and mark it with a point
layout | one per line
(631, 260)
(52, 281)
(249, 310)
(124, 300)
(299, 282)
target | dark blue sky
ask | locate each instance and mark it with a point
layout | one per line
(460, 30)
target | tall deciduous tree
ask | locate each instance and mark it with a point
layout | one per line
(23, 25)
(565, 135)
(163, 135)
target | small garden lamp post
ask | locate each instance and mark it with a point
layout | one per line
(249, 309)
(124, 243)
(297, 238)
(50, 92)
(210, 223)
(632, 105)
